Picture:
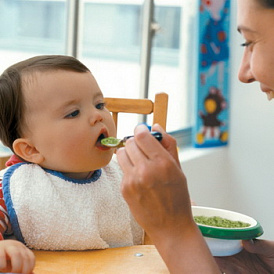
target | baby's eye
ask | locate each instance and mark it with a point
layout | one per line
(73, 114)
(100, 106)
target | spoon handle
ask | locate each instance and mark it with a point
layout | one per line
(156, 134)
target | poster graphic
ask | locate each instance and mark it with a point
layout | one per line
(211, 127)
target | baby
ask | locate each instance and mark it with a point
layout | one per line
(63, 192)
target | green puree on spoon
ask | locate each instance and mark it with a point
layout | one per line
(114, 142)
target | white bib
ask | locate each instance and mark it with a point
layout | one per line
(51, 212)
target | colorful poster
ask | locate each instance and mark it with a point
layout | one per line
(211, 127)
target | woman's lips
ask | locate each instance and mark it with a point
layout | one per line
(270, 94)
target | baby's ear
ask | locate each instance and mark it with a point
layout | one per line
(27, 151)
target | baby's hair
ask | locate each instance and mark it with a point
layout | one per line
(11, 96)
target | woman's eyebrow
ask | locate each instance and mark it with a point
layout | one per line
(245, 29)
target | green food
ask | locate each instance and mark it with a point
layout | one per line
(219, 222)
(110, 141)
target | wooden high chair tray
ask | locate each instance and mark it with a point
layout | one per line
(109, 261)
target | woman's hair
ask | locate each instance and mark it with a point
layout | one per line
(267, 3)
(11, 96)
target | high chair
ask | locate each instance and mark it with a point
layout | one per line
(158, 109)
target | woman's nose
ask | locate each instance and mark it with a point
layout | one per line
(95, 116)
(245, 74)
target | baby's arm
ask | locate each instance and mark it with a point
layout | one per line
(15, 257)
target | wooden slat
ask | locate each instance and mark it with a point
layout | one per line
(3, 160)
(141, 106)
(160, 109)
(115, 118)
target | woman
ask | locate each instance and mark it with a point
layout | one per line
(155, 187)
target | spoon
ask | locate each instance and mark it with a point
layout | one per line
(114, 142)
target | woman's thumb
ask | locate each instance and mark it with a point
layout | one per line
(260, 247)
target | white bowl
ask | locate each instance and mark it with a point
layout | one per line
(226, 241)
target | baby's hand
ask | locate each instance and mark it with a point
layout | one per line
(15, 257)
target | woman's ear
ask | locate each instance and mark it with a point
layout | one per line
(27, 151)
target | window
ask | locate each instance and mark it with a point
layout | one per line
(107, 35)
(29, 28)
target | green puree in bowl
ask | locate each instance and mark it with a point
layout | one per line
(219, 222)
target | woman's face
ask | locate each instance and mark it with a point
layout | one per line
(255, 23)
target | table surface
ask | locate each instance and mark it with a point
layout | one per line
(139, 259)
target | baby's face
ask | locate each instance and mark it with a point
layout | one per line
(64, 116)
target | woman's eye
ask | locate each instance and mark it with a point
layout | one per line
(100, 106)
(73, 114)
(246, 44)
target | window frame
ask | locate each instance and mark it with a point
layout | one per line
(183, 135)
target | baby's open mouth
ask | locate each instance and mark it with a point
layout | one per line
(101, 136)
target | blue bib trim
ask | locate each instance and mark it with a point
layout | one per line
(7, 197)
(95, 176)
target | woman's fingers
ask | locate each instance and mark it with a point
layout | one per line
(260, 247)
(168, 142)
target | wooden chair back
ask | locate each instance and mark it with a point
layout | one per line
(3, 160)
(158, 108)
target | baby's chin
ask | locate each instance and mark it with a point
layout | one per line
(270, 95)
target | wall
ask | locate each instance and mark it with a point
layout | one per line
(240, 176)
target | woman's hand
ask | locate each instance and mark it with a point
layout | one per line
(153, 180)
(155, 189)
(257, 257)
(15, 257)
